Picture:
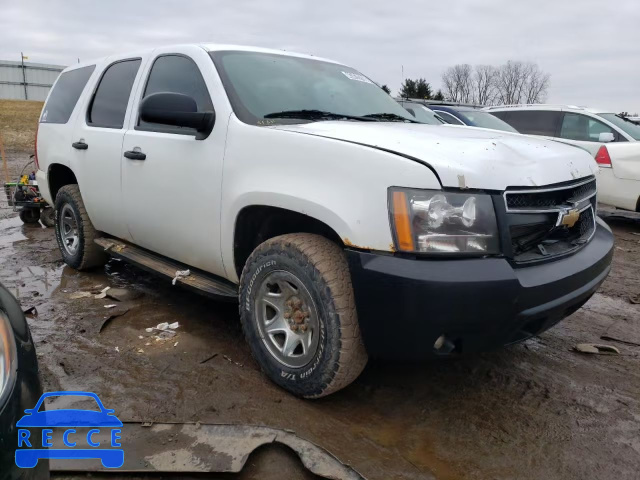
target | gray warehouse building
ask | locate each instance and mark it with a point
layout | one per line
(31, 81)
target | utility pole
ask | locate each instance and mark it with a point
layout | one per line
(24, 76)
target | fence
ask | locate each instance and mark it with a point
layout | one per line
(27, 81)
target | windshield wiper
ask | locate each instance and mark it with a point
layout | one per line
(316, 115)
(390, 117)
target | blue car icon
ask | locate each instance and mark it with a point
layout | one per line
(69, 420)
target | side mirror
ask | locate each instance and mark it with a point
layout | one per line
(178, 110)
(606, 137)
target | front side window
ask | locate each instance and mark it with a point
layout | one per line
(261, 86)
(110, 101)
(176, 74)
(582, 128)
(65, 95)
(534, 122)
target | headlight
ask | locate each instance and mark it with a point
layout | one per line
(8, 358)
(441, 222)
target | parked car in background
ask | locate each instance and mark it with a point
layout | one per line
(613, 140)
(462, 114)
(342, 226)
(421, 113)
(19, 385)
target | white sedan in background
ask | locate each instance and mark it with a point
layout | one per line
(614, 141)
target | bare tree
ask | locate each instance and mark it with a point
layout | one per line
(518, 82)
(457, 81)
(537, 84)
(484, 84)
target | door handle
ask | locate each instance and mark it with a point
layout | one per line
(80, 145)
(130, 154)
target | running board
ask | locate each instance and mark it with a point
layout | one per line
(201, 282)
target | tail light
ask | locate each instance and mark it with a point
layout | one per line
(602, 157)
(35, 156)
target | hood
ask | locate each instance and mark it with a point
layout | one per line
(465, 157)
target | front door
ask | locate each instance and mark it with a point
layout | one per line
(171, 181)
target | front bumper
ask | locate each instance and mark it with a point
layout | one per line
(404, 305)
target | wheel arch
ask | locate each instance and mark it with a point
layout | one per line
(257, 223)
(59, 175)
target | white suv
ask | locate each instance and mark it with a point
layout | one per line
(344, 227)
(613, 140)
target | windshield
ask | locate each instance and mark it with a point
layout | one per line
(261, 85)
(486, 120)
(423, 114)
(628, 127)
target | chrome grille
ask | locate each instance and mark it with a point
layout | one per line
(550, 198)
(541, 220)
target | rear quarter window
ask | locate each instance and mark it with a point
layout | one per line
(65, 95)
(534, 122)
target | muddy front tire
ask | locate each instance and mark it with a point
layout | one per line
(298, 315)
(74, 231)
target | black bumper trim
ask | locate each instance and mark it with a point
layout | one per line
(479, 304)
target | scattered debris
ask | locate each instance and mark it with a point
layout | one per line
(114, 314)
(103, 293)
(166, 329)
(31, 311)
(211, 357)
(110, 306)
(146, 424)
(140, 350)
(596, 348)
(180, 274)
(231, 361)
(175, 344)
(123, 294)
(118, 349)
(140, 337)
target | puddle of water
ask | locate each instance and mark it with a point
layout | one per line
(11, 231)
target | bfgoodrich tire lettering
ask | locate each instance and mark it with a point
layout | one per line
(83, 253)
(320, 265)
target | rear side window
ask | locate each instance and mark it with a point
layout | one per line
(534, 122)
(110, 101)
(581, 127)
(65, 95)
(176, 74)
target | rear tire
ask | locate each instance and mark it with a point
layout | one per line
(30, 215)
(74, 231)
(298, 280)
(48, 217)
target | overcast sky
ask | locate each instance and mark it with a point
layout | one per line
(591, 48)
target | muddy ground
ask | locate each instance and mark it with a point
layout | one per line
(537, 410)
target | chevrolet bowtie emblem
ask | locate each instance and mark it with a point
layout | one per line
(570, 218)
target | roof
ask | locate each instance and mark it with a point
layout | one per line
(209, 47)
(548, 106)
(216, 47)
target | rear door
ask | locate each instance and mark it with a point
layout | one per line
(97, 143)
(172, 196)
